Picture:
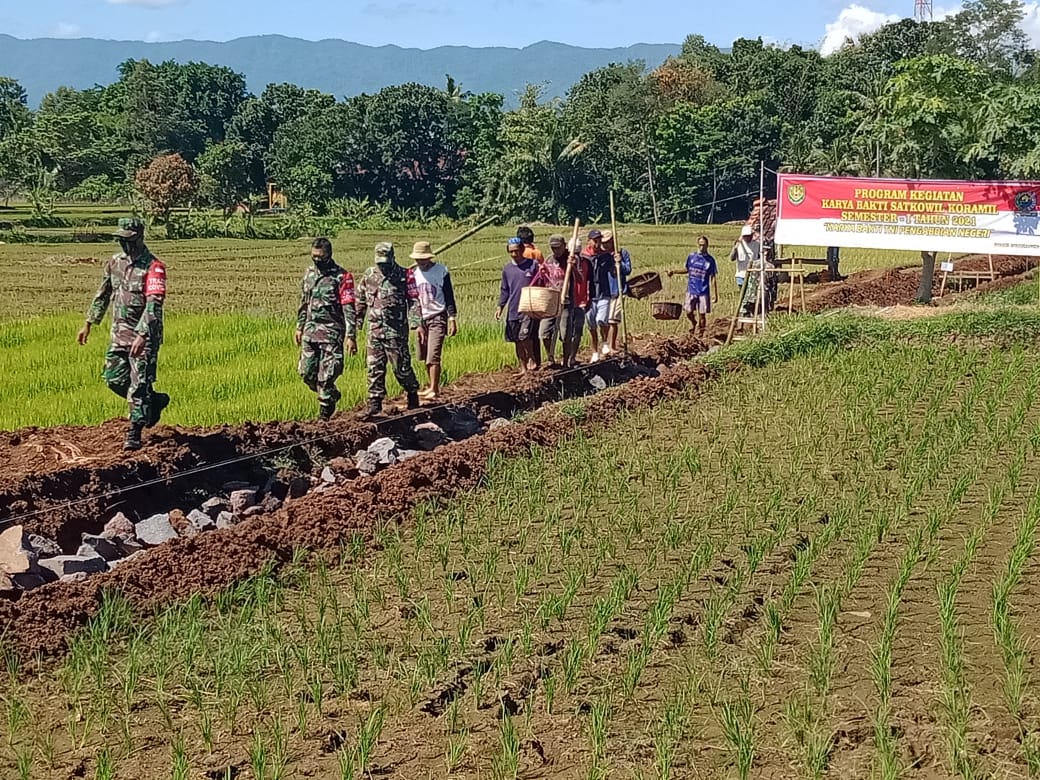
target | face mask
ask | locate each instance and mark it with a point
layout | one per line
(130, 246)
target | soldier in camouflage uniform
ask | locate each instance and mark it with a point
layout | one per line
(324, 321)
(134, 283)
(388, 295)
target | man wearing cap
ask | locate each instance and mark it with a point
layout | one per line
(605, 290)
(550, 274)
(134, 282)
(521, 330)
(437, 312)
(744, 253)
(575, 298)
(387, 295)
(325, 326)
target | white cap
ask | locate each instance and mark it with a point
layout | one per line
(747, 230)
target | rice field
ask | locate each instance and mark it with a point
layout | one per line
(820, 566)
(229, 356)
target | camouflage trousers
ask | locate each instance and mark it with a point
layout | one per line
(320, 367)
(132, 378)
(383, 349)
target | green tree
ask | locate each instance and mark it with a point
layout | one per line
(989, 33)
(710, 156)
(926, 124)
(75, 137)
(14, 110)
(613, 111)
(224, 175)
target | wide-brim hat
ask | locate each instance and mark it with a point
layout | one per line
(422, 250)
(747, 230)
(606, 236)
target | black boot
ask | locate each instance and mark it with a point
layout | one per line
(374, 409)
(326, 411)
(133, 437)
(413, 400)
(159, 402)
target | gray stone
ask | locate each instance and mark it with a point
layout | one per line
(298, 487)
(215, 505)
(70, 564)
(253, 511)
(276, 486)
(661, 368)
(237, 484)
(499, 422)
(403, 455)
(201, 520)
(367, 463)
(119, 525)
(154, 530)
(99, 545)
(463, 423)
(7, 584)
(385, 449)
(44, 547)
(328, 475)
(16, 555)
(271, 504)
(76, 576)
(32, 579)
(225, 520)
(597, 382)
(241, 500)
(128, 545)
(130, 557)
(430, 435)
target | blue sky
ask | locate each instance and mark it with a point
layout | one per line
(429, 23)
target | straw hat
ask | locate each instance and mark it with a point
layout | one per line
(422, 251)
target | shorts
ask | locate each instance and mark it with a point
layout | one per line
(520, 330)
(547, 328)
(604, 311)
(701, 302)
(434, 329)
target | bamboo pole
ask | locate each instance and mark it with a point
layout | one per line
(617, 270)
(571, 250)
(466, 235)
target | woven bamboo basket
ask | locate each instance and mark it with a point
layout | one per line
(539, 303)
(666, 311)
(644, 285)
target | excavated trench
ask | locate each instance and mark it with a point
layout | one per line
(307, 496)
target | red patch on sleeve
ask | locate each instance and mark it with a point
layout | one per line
(413, 289)
(346, 290)
(155, 280)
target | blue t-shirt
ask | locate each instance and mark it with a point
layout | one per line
(700, 268)
(515, 277)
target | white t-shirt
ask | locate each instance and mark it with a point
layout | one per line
(430, 285)
(744, 253)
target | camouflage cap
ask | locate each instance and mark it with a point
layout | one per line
(557, 240)
(384, 249)
(129, 227)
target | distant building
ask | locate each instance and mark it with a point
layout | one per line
(276, 199)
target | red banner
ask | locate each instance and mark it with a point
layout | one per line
(928, 215)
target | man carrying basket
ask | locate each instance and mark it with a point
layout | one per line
(521, 329)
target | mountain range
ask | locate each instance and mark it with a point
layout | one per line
(340, 68)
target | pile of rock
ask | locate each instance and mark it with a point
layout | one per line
(767, 210)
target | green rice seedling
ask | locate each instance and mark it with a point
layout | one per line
(347, 763)
(105, 765)
(599, 723)
(737, 719)
(506, 763)
(822, 660)
(805, 724)
(456, 751)
(368, 735)
(549, 690)
(573, 659)
(24, 762)
(258, 759)
(179, 766)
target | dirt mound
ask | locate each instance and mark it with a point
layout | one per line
(896, 286)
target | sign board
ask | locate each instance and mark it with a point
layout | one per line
(946, 267)
(996, 217)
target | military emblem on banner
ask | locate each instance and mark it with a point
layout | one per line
(796, 194)
(1025, 202)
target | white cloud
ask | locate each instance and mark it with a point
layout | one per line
(144, 3)
(66, 30)
(1031, 22)
(853, 21)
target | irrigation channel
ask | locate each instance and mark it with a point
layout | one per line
(200, 510)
